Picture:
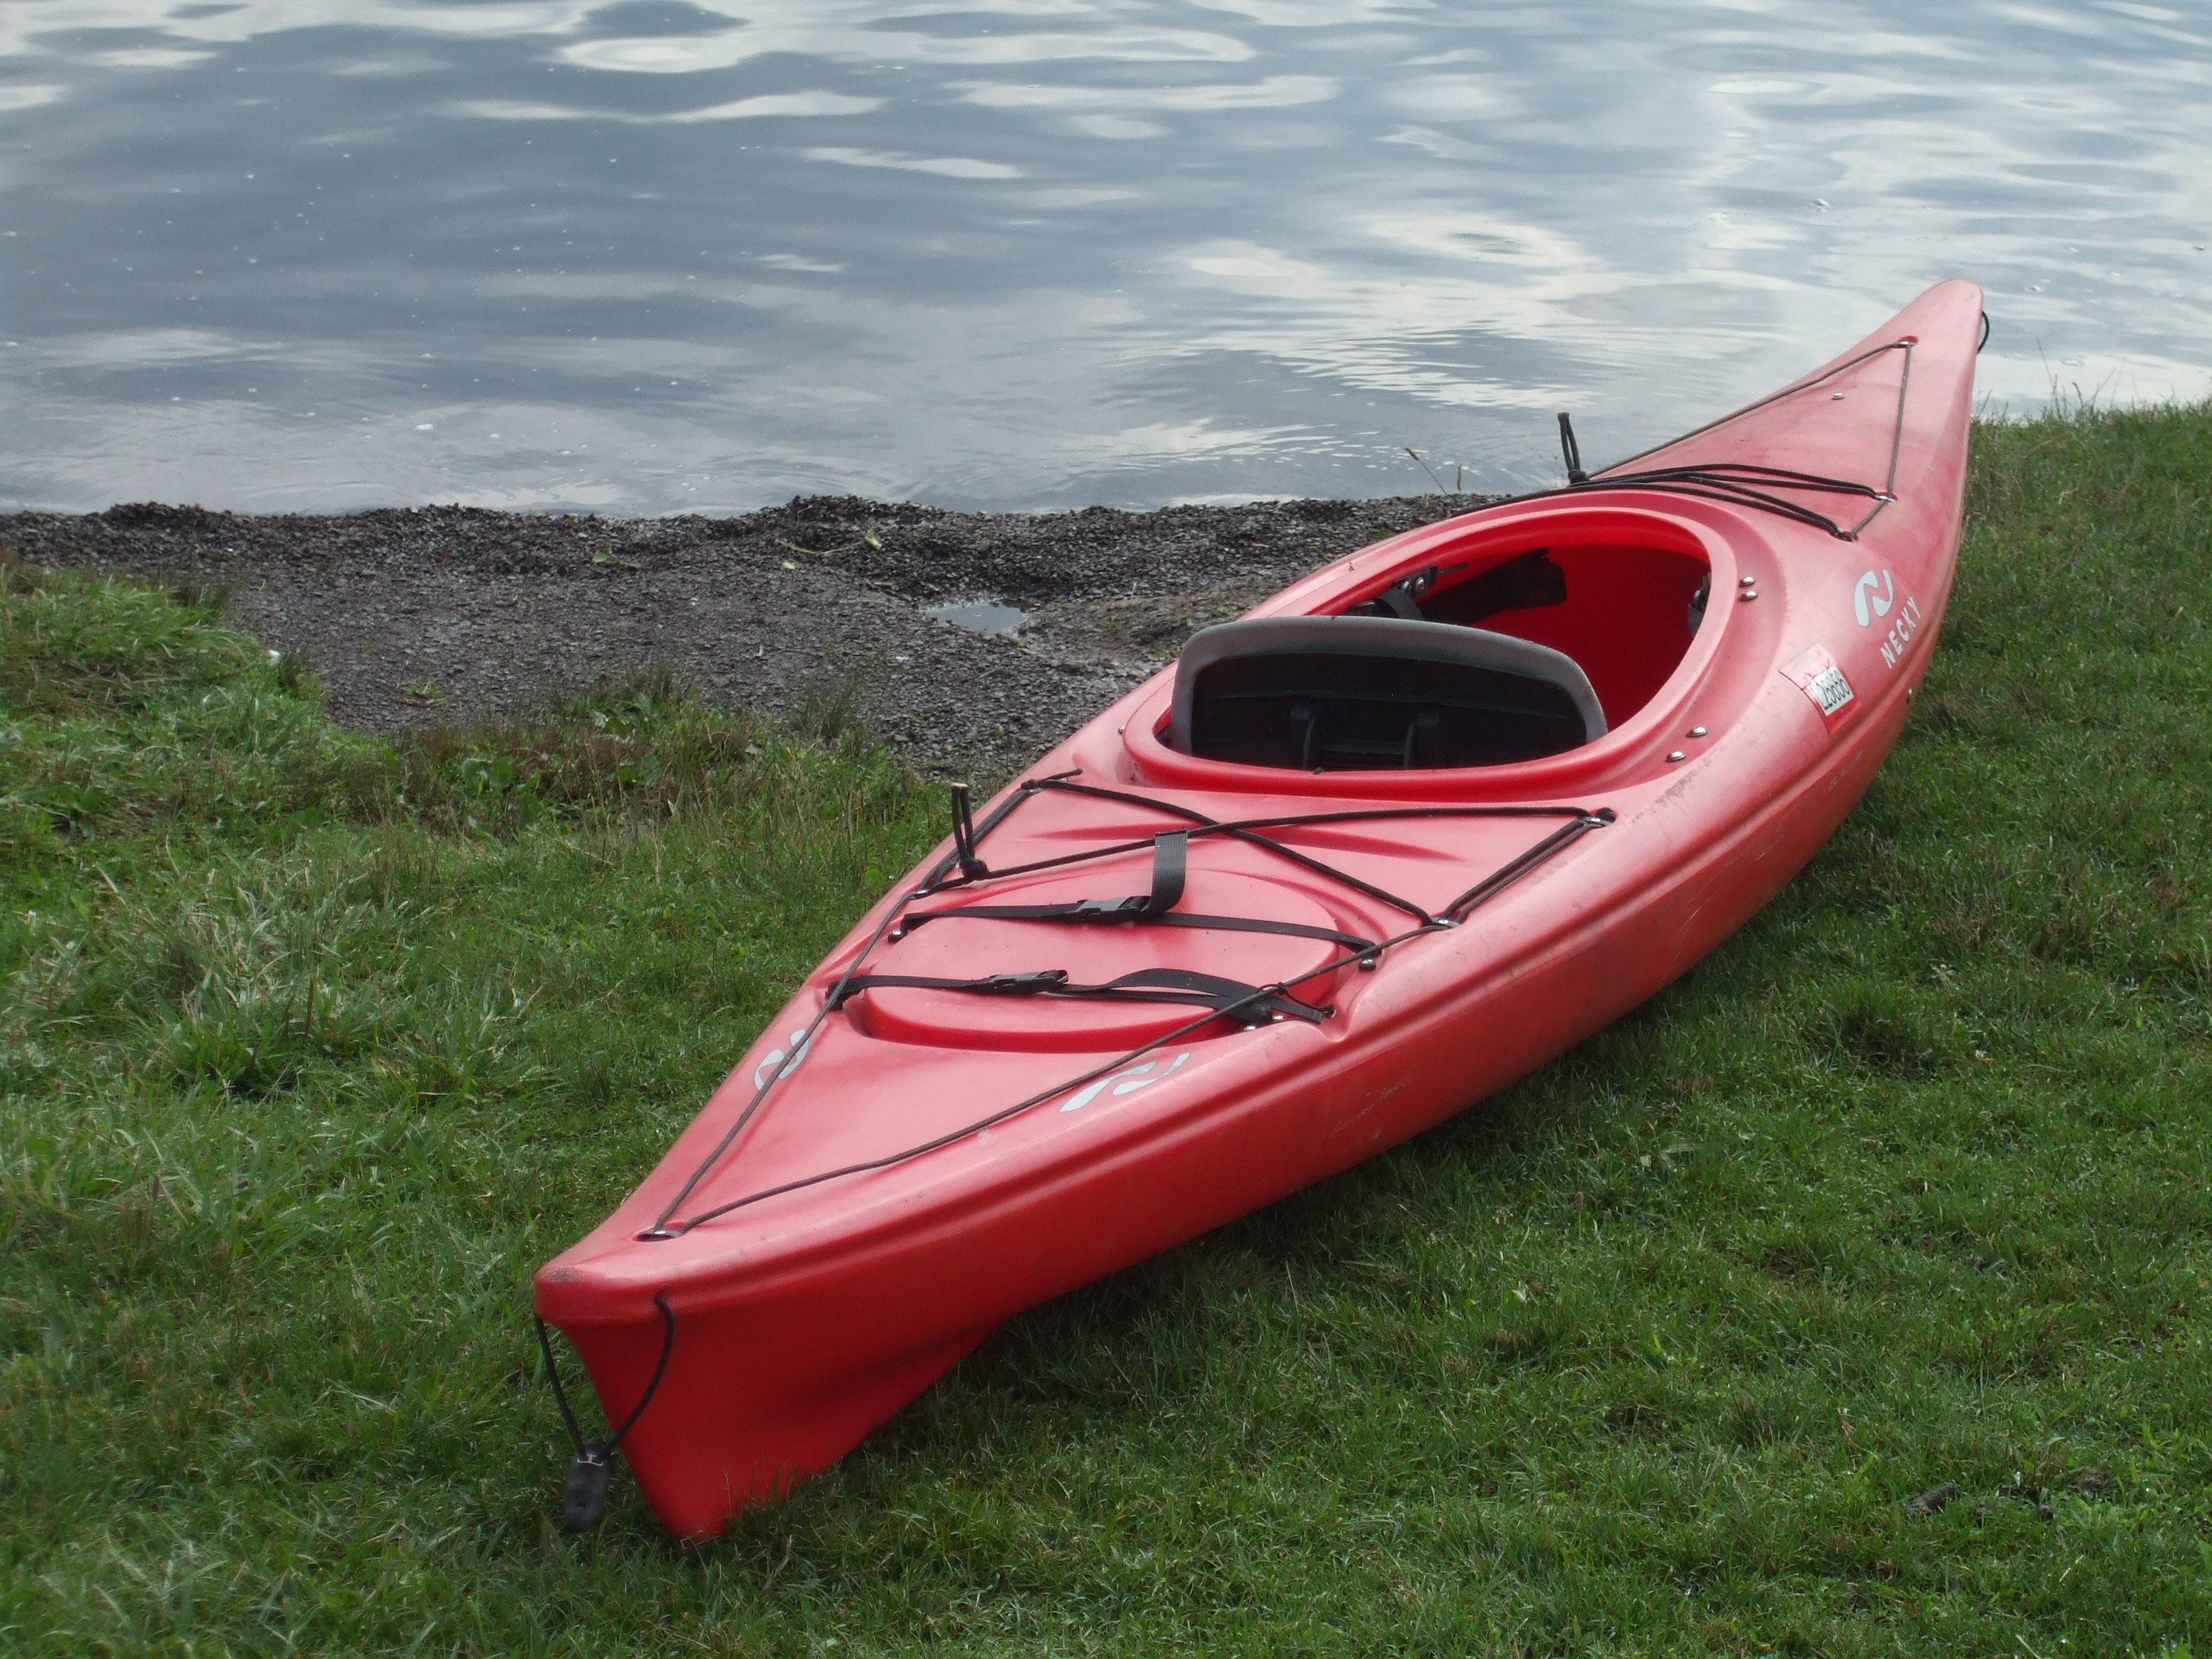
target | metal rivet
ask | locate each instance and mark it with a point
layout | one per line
(1749, 593)
(1697, 731)
(1677, 755)
(1908, 693)
(1746, 581)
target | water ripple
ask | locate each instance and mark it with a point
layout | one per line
(302, 254)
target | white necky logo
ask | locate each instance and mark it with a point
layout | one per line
(1125, 1083)
(800, 1045)
(1863, 590)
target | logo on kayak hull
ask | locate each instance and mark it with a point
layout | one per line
(1873, 596)
(1866, 602)
(800, 1043)
(1900, 633)
(1125, 1083)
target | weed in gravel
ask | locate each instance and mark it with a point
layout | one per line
(16, 575)
(637, 751)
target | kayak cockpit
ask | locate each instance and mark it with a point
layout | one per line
(1485, 660)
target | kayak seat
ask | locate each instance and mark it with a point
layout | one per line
(1326, 694)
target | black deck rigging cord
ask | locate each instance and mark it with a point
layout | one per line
(584, 1498)
(1737, 483)
(1225, 999)
(1255, 1005)
(1059, 1089)
(1741, 484)
(1170, 861)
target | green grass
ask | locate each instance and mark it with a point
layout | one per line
(315, 1047)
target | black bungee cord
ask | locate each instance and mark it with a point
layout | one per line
(938, 879)
(1740, 483)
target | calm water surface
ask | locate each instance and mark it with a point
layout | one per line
(647, 257)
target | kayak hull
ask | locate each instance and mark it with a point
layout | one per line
(806, 1318)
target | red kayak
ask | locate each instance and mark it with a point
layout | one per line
(1410, 828)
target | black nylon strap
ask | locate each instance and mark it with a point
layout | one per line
(1183, 984)
(1170, 869)
(1180, 985)
(1094, 910)
(1171, 865)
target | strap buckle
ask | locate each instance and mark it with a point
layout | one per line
(1170, 859)
(1016, 985)
(1111, 910)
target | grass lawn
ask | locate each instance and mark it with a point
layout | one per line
(311, 1048)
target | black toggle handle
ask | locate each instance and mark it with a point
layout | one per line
(1571, 450)
(964, 835)
(584, 1498)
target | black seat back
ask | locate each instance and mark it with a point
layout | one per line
(1367, 693)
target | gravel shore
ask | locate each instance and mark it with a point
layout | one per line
(418, 617)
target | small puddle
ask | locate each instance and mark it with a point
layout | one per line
(980, 616)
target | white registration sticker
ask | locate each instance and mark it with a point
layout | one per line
(1817, 674)
(1829, 689)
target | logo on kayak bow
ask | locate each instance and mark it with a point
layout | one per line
(1862, 592)
(1125, 1083)
(800, 1045)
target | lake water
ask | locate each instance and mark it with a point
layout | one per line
(644, 257)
